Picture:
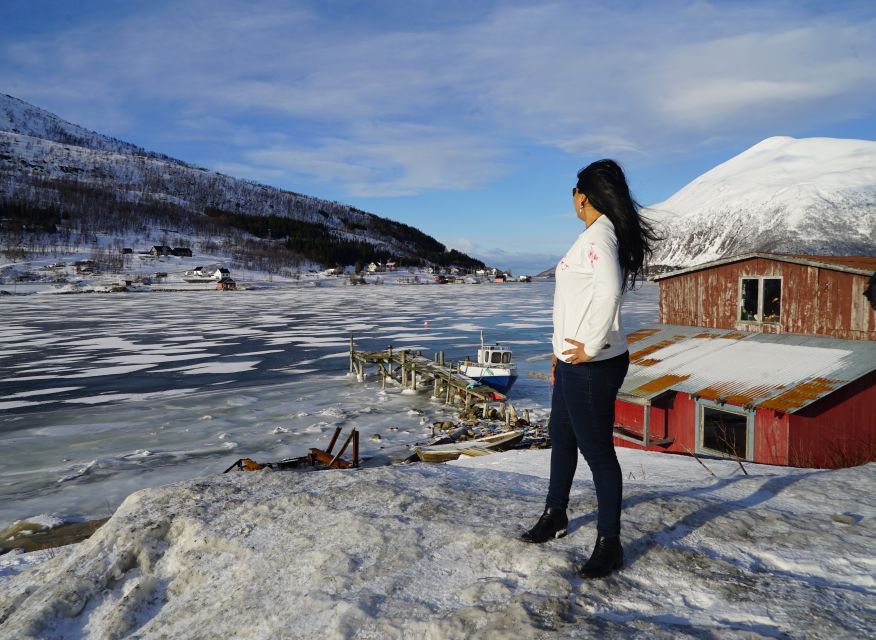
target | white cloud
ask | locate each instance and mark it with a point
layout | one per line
(390, 160)
(401, 110)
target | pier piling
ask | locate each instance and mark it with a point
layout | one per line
(413, 370)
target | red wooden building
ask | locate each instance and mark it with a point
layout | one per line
(767, 357)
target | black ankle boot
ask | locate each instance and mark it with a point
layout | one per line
(551, 524)
(607, 556)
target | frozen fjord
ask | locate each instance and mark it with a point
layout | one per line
(101, 395)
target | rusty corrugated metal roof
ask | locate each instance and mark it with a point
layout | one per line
(862, 265)
(784, 371)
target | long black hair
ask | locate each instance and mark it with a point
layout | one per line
(604, 184)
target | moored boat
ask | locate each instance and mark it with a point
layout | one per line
(493, 367)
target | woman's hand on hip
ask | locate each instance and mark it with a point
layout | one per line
(576, 354)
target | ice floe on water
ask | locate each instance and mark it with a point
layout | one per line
(20, 404)
(217, 367)
(108, 371)
(116, 397)
(432, 551)
(42, 392)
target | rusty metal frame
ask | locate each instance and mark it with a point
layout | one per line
(336, 461)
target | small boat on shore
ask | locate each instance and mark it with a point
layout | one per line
(478, 446)
(493, 367)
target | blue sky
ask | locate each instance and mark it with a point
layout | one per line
(467, 120)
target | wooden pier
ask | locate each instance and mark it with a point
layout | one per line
(412, 370)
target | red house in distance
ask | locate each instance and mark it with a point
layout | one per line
(770, 358)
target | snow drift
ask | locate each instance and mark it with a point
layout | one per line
(432, 552)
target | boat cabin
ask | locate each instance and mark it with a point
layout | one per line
(494, 354)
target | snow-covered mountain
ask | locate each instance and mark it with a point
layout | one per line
(783, 195)
(101, 185)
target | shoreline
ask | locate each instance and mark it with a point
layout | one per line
(27, 540)
(434, 551)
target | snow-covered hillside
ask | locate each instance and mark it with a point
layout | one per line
(112, 187)
(783, 195)
(432, 551)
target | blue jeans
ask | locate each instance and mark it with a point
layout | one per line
(582, 418)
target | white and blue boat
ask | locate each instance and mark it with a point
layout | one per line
(493, 367)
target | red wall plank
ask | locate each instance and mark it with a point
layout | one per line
(771, 437)
(837, 431)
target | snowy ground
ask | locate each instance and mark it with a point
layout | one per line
(431, 551)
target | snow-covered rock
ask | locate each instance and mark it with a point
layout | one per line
(783, 195)
(432, 552)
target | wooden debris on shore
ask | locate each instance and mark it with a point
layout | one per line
(477, 446)
(475, 437)
(29, 537)
(317, 458)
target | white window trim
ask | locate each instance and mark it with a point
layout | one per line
(700, 432)
(760, 280)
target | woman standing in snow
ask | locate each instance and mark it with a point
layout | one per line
(590, 357)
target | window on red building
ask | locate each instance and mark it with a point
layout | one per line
(750, 298)
(725, 432)
(760, 300)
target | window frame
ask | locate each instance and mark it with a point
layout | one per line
(760, 296)
(700, 429)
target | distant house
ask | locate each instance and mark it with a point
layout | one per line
(500, 278)
(200, 272)
(160, 275)
(226, 284)
(221, 273)
(85, 266)
(769, 358)
(439, 278)
(374, 266)
(391, 266)
(126, 250)
(183, 252)
(524, 279)
(160, 250)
